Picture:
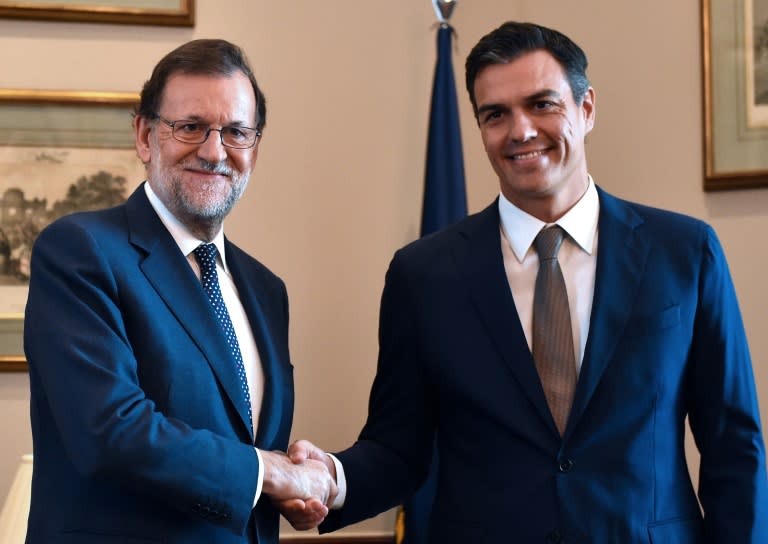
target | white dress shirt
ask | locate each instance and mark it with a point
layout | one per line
(577, 258)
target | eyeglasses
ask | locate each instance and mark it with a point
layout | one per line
(195, 132)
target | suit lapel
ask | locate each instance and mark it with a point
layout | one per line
(170, 274)
(253, 299)
(621, 257)
(480, 261)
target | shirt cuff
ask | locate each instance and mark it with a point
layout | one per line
(260, 481)
(341, 483)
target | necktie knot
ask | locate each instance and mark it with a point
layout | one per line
(548, 242)
(206, 256)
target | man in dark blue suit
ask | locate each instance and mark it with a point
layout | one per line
(595, 455)
(155, 398)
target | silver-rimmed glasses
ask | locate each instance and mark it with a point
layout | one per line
(196, 132)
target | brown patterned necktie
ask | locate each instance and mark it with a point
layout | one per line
(552, 337)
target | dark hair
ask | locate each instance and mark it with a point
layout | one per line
(513, 39)
(199, 57)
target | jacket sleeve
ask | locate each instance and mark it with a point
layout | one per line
(723, 411)
(392, 454)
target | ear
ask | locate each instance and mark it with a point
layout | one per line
(255, 151)
(588, 110)
(141, 131)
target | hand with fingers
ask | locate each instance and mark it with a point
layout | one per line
(303, 489)
(304, 514)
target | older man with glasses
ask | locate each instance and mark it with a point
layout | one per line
(158, 350)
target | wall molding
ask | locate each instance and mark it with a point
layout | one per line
(341, 539)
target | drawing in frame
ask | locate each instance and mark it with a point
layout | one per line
(60, 152)
(140, 12)
(735, 62)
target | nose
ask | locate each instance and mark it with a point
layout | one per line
(212, 150)
(523, 128)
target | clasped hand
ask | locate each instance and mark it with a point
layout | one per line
(301, 483)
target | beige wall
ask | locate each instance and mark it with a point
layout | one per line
(339, 180)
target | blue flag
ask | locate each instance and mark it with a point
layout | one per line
(445, 202)
(445, 198)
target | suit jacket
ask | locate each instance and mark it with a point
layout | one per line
(665, 341)
(139, 427)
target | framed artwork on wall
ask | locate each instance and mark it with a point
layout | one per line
(735, 61)
(133, 12)
(60, 152)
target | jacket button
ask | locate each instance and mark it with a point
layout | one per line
(554, 538)
(565, 465)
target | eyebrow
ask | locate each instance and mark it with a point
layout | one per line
(546, 93)
(201, 120)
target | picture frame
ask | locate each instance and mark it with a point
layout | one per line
(55, 147)
(132, 12)
(735, 83)
(11, 341)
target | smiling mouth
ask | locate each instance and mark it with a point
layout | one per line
(207, 172)
(208, 168)
(528, 155)
(209, 176)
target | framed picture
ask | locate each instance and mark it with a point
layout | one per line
(60, 152)
(139, 12)
(735, 55)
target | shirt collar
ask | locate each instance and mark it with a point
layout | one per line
(580, 222)
(186, 241)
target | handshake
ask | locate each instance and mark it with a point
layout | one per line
(301, 483)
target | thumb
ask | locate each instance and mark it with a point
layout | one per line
(300, 451)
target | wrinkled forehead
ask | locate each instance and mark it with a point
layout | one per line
(209, 97)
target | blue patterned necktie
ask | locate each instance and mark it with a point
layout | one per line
(552, 336)
(206, 258)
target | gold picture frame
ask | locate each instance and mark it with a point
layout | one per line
(11, 343)
(735, 73)
(136, 12)
(50, 143)
(13, 364)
